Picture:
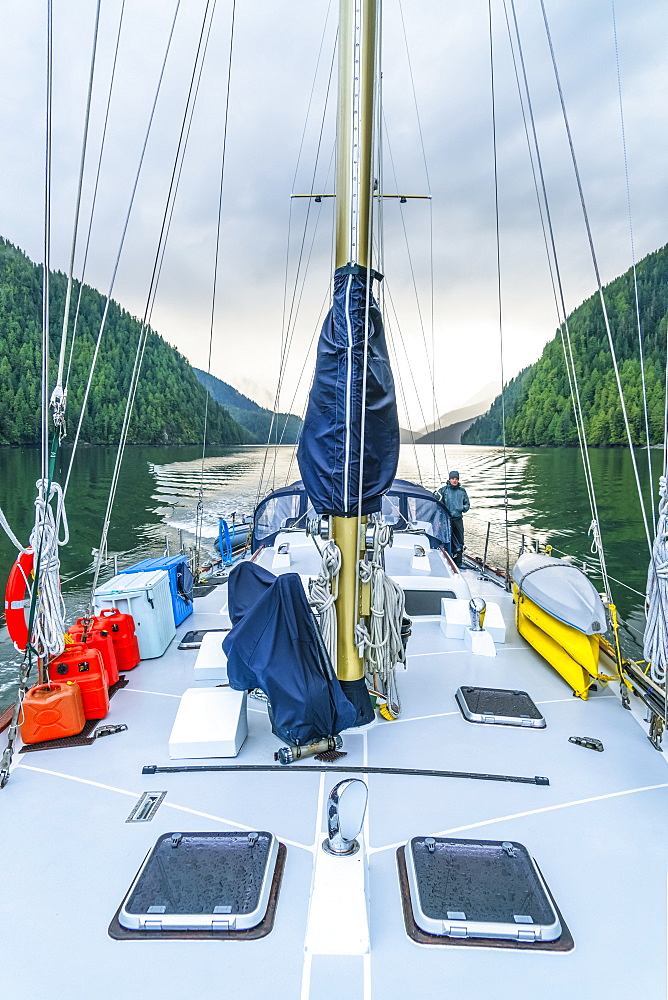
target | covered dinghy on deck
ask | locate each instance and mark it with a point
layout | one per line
(276, 645)
(560, 613)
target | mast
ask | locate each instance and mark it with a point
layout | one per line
(358, 21)
(354, 129)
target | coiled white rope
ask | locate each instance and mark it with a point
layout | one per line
(656, 630)
(322, 596)
(49, 624)
(381, 642)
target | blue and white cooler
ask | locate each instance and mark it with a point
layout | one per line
(180, 581)
(147, 597)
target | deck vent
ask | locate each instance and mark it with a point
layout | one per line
(499, 706)
(146, 807)
(479, 889)
(211, 881)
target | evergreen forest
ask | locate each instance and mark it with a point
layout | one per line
(170, 402)
(537, 402)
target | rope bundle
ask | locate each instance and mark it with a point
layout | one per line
(656, 631)
(49, 624)
(322, 596)
(382, 643)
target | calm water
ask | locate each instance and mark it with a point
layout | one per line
(158, 491)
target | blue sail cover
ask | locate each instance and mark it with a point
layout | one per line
(329, 446)
(276, 645)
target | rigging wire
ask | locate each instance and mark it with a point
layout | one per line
(397, 372)
(145, 329)
(47, 239)
(119, 252)
(436, 417)
(635, 274)
(498, 285)
(200, 500)
(95, 190)
(390, 299)
(430, 366)
(562, 316)
(275, 414)
(288, 325)
(58, 398)
(598, 279)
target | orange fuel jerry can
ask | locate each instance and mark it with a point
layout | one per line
(98, 638)
(85, 666)
(122, 632)
(51, 712)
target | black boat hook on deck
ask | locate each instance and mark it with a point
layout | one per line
(415, 772)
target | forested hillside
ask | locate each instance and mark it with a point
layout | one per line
(537, 402)
(170, 402)
(284, 429)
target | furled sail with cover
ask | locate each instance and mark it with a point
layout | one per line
(331, 443)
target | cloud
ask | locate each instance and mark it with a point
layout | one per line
(275, 55)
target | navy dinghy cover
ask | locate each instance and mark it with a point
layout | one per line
(330, 442)
(277, 647)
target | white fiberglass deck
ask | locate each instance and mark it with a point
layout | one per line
(597, 833)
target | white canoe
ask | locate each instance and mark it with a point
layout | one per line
(562, 590)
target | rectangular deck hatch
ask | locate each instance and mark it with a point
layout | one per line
(193, 639)
(202, 881)
(479, 889)
(499, 706)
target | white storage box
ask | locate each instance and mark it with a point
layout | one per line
(210, 722)
(455, 619)
(211, 662)
(147, 597)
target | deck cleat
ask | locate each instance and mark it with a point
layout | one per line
(590, 742)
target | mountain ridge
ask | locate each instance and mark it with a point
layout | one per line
(281, 428)
(537, 401)
(169, 405)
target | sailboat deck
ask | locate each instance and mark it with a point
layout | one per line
(597, 833)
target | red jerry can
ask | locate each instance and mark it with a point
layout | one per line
(122, 631)
(85, 666)
(51, 712)
(98, 638)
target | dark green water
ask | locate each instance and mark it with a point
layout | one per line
(158, 491)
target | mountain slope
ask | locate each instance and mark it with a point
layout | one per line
(449, 427)
(169, 405)
(283, 429)
(537, 402)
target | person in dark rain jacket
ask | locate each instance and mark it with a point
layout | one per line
(455, 499)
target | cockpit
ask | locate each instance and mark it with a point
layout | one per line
(407, 507)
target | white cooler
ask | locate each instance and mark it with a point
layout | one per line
(147, 597)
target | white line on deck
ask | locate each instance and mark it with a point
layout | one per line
(171, 805)
(529, 812)
(163, 694)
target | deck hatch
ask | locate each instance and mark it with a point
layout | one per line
(426, 602)
(193, 639)
(203, 881)
(146, 807)
(479, 889)
(499, 706)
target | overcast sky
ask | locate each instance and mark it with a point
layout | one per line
(275, 67)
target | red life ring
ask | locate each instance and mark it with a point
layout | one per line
(16, 601)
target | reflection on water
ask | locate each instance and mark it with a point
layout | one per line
(159, 490)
